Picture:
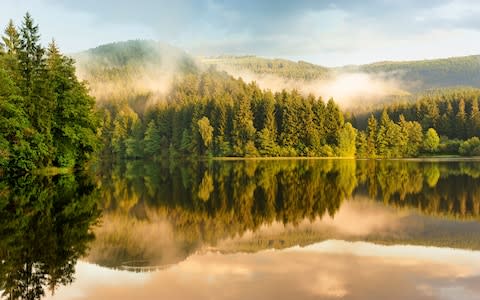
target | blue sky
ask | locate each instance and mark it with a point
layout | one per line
(329, 33)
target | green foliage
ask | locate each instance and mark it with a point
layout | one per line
(452, 113)
(211, 113)
(346, 141)
(470, 147)
(152, 140)
(431, 141)
(206, 131)
(46, 114)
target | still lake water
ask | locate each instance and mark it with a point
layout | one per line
(247, 229)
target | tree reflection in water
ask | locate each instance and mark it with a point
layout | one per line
(45, 227)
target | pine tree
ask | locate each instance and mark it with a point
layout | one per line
(333, 122)
(73, 121)
(474, 119)
(460, 120)
(372, 132)
(243, 133)
(11, 39)
(151, 140)
(31, 52)
(382, 142)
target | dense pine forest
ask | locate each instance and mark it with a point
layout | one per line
(213, 114)
(46, 114)
(156, 101)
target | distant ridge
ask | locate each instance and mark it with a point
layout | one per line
(415, 76)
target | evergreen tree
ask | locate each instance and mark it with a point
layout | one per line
(372, 132)
(151, 140)
(460, 119)
(333, 122)
(11, 39)
(474, 119)
(243, 130)
(73, 119)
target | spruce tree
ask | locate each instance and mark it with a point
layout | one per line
(372, 137)
(11, 38)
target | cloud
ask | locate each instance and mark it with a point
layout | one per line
(326, 32)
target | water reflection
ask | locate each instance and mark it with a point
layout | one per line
(166, 215)
(328, 270)
(44, 229)
(162, 213)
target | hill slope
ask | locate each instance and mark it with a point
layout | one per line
(280, 67)
(414, 76)
(138, 67)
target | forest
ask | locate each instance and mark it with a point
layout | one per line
(47, 117)
(143, 99)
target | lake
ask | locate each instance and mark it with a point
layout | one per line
(245, 229)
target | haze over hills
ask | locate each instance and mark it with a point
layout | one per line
(149, 67)
(137, 67)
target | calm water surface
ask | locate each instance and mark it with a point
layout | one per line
(254, 229)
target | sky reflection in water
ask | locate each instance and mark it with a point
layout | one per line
(327, 270)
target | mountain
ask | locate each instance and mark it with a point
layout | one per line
(280, 67)
(134, 53)
(137, 67)
(428, 74)
(144, 67)
(414, 76)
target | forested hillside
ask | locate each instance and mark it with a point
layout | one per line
(428, 74)
(280, 67)
(213, 114)
(206, 112)
(413, 76)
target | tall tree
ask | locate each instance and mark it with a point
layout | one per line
(73, 121)
(460, 120)
(333, 122)
(11, 38)
(243, 130)
(31, 52)
(474, 119)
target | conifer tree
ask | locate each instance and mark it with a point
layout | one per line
(11, 38)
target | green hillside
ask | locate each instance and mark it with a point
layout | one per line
(133, 58)
(415, 75)
(428, 74)
(281, 67)
(134, 53)
(123, 70)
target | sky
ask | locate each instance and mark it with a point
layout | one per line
(329, 33)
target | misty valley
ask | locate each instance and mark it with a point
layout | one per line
(140, 170)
